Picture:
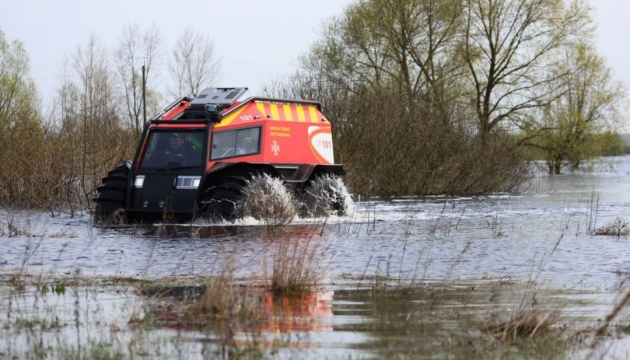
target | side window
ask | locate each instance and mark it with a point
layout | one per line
(247, 141)
(235, 143)
(223, 144)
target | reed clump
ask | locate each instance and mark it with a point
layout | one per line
(617, 228)
(525, 324)
(298, 266)
(221, 298)
(220, 307)
(11, 226)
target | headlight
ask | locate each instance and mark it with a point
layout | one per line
(138, 181)
(188, 182)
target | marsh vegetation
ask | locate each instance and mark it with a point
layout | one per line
(459, 110)
(522, 275)
(458, 248)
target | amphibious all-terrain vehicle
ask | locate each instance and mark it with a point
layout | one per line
(198, 156)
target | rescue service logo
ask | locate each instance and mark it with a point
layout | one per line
(320, 140)
(275, 148)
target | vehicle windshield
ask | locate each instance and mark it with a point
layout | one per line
(173, 149)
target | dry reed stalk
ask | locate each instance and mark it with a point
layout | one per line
(297, 266)
(525, 324)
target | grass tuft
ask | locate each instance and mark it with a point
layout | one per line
(297, 266)
(617, 228)
(219, 297)
(525, 324)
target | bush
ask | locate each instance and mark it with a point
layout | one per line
(393, 148)
(610, 144)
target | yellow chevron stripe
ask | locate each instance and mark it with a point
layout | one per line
(313, 111)
(228, 120)
(300, 113)
(288, 115)
(274, 111)
(261, 108)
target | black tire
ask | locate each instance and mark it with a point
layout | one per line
(112, 196)
(225, 199)
(321, 197)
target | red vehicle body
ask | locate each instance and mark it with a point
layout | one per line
(227, 143)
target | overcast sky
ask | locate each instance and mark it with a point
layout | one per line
(256, 40)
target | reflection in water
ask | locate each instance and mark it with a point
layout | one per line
(542, 236)
(188, 307)
(303, 313)
(433, 321)
(459, 320)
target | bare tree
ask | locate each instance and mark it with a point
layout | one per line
(508, 46)
(421, 36)
(193, 65)
(136, 50)
(91, 128)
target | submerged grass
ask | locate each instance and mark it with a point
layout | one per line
(459, 320)
(617, 228)
(525, 325)
(232, 319)
(298, 266)
(222, 314)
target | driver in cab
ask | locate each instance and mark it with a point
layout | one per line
(179, 150)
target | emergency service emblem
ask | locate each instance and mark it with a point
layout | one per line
(275, 148)
(320, 139)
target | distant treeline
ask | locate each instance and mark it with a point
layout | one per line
(626, 138)
(425, 96)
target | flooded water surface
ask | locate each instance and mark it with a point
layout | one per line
(441, 277)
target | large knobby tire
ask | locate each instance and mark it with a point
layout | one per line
(322, 196)
(225, 200)
(111, 196)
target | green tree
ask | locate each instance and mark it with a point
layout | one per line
(389, 74)
(589, 104)
(21, 127)
(611, 144)
(406, 45)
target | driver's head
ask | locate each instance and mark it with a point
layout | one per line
(177, 140)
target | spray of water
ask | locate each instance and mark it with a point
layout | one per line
(269, 201)
(325, 196)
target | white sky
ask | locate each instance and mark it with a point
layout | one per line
(256, 40)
